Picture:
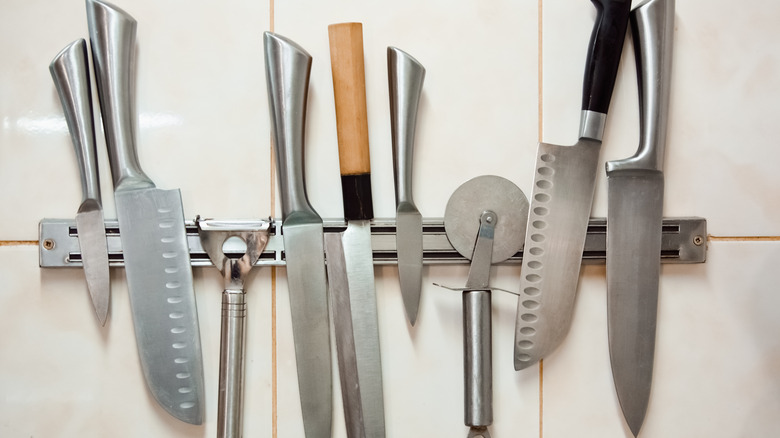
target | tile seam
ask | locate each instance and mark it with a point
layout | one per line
(19, 242)
(743, 238)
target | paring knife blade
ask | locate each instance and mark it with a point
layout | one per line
(70, 72)
(151, 222)
(287, 73)
(635, 188)
(406, 76)
(563, 190)
(349, 89)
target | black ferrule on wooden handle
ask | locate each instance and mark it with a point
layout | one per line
(356, 192)
(606, 45)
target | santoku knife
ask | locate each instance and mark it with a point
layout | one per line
(349, 89)
(634, 217)
(563, 189)
(70, 71)
(287, 73)
(405, 76)
(151, 224)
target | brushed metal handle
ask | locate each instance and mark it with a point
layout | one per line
(231, 364)
(112, 35)
(70, 72)
(405, 75)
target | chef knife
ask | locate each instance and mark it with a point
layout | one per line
(635, 187)
(406, 75)
(563, 190)
(287, 73)
(151, 225)
(349, 89)
(70, 71)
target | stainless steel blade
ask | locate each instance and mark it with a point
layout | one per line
(288, 67)
(151, 222)
(557, 227)
(94, 256)
(70, 71)
(358, 259)
(633, 266)
(564, 182)
(634, 221)
(405, 77)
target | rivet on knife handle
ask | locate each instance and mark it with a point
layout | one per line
(70, 71)
(406, 77)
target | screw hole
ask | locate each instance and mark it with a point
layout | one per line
(48, 244)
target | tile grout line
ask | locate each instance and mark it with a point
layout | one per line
(540, 101)
(274, 358)
(19, 242)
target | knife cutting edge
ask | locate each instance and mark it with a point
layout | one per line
(288, 67)
(564, 183)
(349, 89)
(635, 188)
(151, 224)
(70, 72)
(406, 76)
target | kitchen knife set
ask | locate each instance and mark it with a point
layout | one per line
(157, 256)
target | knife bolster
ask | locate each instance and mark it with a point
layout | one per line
(356, 191)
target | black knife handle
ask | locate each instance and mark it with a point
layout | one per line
(606, 45)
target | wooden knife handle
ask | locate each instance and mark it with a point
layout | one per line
(349, 90)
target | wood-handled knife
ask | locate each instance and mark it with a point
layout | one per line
(563, 189)
(287, 74)
(349, 89)
(635, 188)
(151, 224)
(406, 75)
(70, 71)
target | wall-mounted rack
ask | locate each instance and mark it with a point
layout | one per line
(684, 241)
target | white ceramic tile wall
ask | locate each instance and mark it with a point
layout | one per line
(203, 127)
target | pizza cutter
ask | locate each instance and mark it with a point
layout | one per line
(485, 221)
(223, 241)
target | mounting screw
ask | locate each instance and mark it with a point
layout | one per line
(48, 244)
(698, 240)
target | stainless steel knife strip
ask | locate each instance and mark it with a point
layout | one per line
(684, 241)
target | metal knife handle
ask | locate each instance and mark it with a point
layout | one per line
(70, 72)
(604, 50)
(406, 76)
(231, 365)
(287, 69)
(112, 35)
(477, 359)
(349, 91)
(652, 27)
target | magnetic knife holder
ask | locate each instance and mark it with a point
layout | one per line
(684, 241)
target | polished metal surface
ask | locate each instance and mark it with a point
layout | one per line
(592, 125)
(406, 76)
(684, 241)
(154, 243)
(70, 72)
(214, 234)
(499, 209)
(287, 73)
(338, 287)
(358, 259)
(636, 190)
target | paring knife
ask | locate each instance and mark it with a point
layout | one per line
(406, 76)
(287, 73)
(563, 190)
(635, 187)
(151, 223)
(349, 89)
(70, 71)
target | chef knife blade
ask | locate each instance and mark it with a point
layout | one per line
(635, 188)
(406, 75)
(70, 72)
(151, 225)
(287, 73)
(349, 89)
(562, 195)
